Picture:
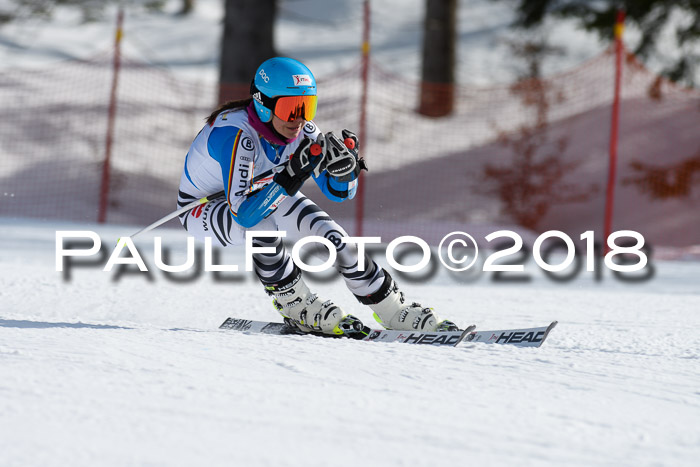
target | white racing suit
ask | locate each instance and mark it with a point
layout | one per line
(231, 156)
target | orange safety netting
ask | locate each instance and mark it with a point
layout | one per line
(533, 154)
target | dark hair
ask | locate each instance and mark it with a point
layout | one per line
(238, 104)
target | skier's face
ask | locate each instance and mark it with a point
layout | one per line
(289, 130)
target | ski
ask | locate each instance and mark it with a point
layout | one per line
(529, 337)
(451, 338)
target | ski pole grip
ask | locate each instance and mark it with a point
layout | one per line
(315, 149)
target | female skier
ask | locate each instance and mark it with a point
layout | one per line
(260, 151)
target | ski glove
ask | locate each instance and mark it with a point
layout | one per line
(301, 164)
(342, 160)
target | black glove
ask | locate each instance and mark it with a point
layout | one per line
(301, 164)
(342, 160)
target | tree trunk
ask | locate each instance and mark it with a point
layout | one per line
(247, 41)
(437, 86)
(187, 6)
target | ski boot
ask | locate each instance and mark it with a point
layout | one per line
(295, 302)
(392, 312)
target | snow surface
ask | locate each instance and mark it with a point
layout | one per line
(131, 372)
(98, 371)
(327, 36)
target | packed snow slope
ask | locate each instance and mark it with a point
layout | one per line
(111, 371)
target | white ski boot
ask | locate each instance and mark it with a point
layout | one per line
(296, 303)
(392, 312)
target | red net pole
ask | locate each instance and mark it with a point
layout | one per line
(362, 136)
(610, 195)
(111, 116)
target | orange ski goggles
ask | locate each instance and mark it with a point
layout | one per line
(289, 108)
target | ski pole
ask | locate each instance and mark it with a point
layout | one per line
(186, 208)
(182, 210)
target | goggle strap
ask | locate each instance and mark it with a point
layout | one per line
(267, 102)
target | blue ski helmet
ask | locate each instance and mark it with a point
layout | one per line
(277, 79)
